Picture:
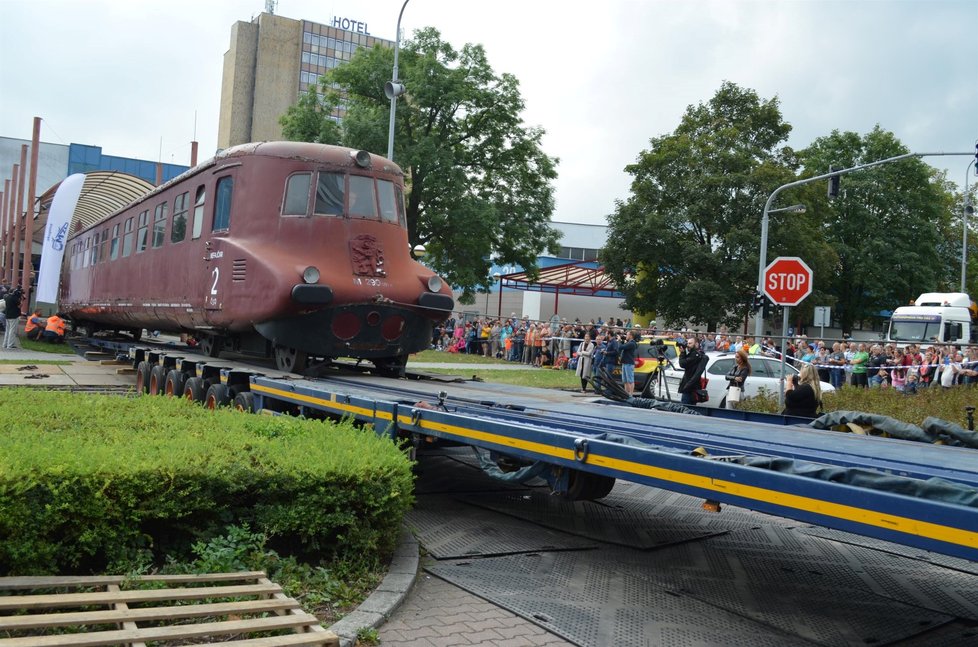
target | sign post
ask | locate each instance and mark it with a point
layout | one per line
(823, 318)
(787, 282)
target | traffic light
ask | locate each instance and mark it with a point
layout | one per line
(833, 183)
(757, 301)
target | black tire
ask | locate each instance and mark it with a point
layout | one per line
(290, 360)
(193, 389)
(585, 486)
(174, 383)
(143, 370)
(217, 396)
(245, 401)
(157, 380)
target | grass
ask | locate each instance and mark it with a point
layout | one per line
(454, 358)
(46, 362)
(946, 404)
(44, 347)
(541, 378)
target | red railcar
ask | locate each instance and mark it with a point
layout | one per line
(281, 248)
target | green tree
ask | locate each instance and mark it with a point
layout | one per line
(479, 181)
(688, 235)
(887, 228)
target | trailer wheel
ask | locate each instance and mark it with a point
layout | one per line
(174, 383)
(143, 370)
(193, 389)
(217, 396)
(585, 486)
(290, 360)
(157, 378)
(245, 401)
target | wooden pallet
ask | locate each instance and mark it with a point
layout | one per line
(161, 615)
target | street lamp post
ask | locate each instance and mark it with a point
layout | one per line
(393, 89)
(968, 210)
(495, 279)
(795, 208)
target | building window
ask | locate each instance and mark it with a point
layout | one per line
(159, 224)
(222, 205)
(179, 230)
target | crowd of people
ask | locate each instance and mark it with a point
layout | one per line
(588, 346)
(36, 328)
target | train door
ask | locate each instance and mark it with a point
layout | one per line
(218, 275)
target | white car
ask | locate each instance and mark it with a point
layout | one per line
(765, 373)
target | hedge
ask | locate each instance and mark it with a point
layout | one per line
(90, 483)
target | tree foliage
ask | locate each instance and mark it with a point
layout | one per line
(889, 227)
(479, 181)
(688, 234)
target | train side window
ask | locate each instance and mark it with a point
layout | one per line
(297, 195)
(399, 203)
(329, 194)
(222, 204)
(127, 239)
(362, 197)
(103, 253)
(114, 249)
(86, 253)
(159, 224)
(199, 213)
(142, 231)
(388, 207)
(179, 230)
(95, 249)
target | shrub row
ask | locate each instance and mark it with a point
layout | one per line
(90, 483)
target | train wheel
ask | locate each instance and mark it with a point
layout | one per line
(136, 333)
(157, 378)
(245, 401)
(392, 366)
(193, 389)
(290, 359)
(174, 383)
(143, 370)
(210, 345)
(217, 396)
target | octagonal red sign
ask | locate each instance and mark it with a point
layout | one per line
(787, 281)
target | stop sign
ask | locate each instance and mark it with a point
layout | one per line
(787, 281)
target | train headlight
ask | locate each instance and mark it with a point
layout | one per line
(310, 274)
(435, 284)
(361, 158)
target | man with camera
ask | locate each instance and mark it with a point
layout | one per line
(692, 360)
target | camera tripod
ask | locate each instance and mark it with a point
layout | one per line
(658, 384)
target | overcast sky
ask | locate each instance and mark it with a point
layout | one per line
(601, 78)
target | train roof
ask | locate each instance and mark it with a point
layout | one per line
(326, 154)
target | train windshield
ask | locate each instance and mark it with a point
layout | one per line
(329, 194)
(388, 204)
(362, 197)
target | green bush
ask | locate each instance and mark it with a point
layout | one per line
(91, 483)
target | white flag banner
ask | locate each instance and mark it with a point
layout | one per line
(56, 236)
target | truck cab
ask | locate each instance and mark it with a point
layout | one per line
(935, 317)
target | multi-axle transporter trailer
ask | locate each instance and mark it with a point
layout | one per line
(909, 493)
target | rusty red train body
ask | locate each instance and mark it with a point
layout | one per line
(283, 248)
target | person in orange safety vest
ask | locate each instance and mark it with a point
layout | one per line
(54, 332)
(35, 326)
